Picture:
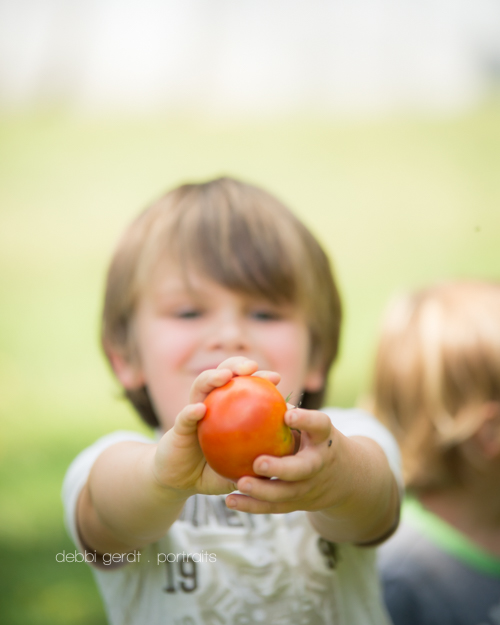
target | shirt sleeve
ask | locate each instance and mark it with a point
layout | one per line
(356, 422)
(78, 472)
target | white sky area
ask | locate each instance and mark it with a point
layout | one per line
(249, 56)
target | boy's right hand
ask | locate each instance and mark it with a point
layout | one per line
(179, 463)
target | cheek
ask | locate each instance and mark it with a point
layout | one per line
(165, 346)
(290, 358)
(288, 347)
(164, 350)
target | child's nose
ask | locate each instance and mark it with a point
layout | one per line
(229, 336)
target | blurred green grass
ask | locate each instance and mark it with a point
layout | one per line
(398, 203)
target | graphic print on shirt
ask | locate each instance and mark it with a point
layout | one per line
(268, 569)
(181, 576)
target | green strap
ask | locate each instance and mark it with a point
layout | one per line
(448, 538)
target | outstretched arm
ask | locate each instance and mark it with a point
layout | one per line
(135, 491)
(122, 506)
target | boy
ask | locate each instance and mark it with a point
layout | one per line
(437, 386)
(216, 280)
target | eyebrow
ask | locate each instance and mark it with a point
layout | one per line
(167, 293)
(181, 288)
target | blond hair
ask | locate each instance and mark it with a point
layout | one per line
(437, 365)
(241, 237)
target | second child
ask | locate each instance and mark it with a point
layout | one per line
(437, 386)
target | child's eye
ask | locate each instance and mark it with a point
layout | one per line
(265, 315)
(188, 313)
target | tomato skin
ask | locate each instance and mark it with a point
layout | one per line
(244, 419)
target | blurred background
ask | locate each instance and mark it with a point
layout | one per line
(376, 121)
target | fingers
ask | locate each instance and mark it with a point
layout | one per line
(254, 506)
(239, 365)
(272, 376)
(207, 381)
(186, 422)
(274, 491)
(295, 473)
(211, 483)
(316, 424)
(213, 378)
(302, 466)
(303, 486)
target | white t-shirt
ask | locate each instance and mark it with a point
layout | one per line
(217, 566)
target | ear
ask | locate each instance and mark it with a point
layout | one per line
(315, 380)
(128, 373)
(488, 433)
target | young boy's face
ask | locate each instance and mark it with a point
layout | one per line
(180, 332)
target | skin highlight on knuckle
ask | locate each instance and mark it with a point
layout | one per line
(327, 425)
(218, 378)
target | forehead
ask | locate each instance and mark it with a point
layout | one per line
(168, 273)
(171, 281)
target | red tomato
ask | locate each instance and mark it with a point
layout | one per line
(244, 419)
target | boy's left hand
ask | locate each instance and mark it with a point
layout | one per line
(306, 480)
(345, 483)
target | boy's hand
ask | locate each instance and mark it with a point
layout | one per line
(346, 483)
(308, 480)
(179, 463)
